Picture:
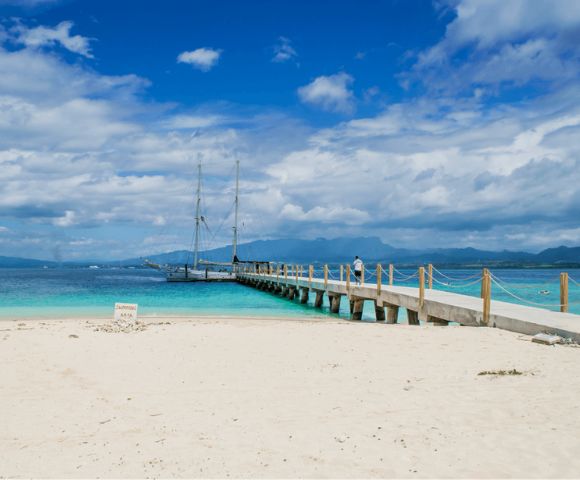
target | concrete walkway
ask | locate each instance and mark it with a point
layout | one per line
(438, 306)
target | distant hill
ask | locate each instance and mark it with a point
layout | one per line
(321, 250)
(559, 255)
(17, 262)
(370, 249)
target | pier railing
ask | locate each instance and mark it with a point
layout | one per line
(423, 279)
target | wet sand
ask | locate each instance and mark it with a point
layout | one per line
(226, 397)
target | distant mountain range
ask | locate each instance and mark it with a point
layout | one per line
(370, 249)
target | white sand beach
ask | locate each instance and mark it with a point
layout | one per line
(275, 398)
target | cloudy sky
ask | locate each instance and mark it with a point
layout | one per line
(444, 123)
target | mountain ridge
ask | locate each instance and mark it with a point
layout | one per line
(341, 249)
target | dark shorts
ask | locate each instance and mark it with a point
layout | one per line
(357, 273)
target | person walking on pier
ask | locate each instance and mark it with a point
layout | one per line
(357, 266)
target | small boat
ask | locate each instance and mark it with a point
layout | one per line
(544, 292)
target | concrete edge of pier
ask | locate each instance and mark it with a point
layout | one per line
(437, 306)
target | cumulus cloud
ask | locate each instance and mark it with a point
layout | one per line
(203, 59)
(332, 93)
(283, 51)
(43, 36)
(77, 156)
(490, 42)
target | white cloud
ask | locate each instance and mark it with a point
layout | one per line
(490, 42)
(488, 22)
(180, 122)
(76, 151)
(203, 59)
(330, 93)
(42, 36)
(319, 214)
(283, 51)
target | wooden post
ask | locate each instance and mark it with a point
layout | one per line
(277, 272)
(319, 299)
(430, 274)
(486, 284)
(412, 317)
(421, 286)
(357, 310)
(325, 276)
(310, 272)
(563, 292)
(347, 278)
(334, 303)
(362, 275)
(296, 272)
(304, 296)
(341, 272)
(483, 274)
(392, 313)
(379, 312)
(285, 272)
(379, 278)
(270, 269)
(391, 268)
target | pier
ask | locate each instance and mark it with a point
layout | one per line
(420, 304)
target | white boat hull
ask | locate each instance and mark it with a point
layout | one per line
(190, 275)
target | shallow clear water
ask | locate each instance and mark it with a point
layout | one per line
(65, 292)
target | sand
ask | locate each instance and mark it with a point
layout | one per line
(224, 397)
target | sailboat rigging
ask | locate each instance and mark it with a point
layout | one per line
(203, 270)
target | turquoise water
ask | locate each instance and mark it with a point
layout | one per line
(53, 293)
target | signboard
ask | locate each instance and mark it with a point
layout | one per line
(126, 312)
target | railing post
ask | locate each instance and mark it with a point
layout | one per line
(563, 292)
(362, 275)
(347, 278)
(430, 275)
(486, 295)
(379, 278)
(325, 276)
(277, 272)
(391, 269)
(296, 273)
(285, 272)
(482, 289)
(310, 273)
(421, 286)
(341, 272)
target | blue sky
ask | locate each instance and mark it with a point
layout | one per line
(445, 123)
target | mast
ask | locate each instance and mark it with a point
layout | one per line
(197, 217)
(236, 203)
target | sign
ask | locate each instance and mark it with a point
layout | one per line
(126, 312)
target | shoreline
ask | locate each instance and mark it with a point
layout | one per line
(247, 397)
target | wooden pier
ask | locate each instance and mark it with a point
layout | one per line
(421, 304)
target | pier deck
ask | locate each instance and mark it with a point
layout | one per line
(438, 307)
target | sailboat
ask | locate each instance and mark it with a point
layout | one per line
(202, 270)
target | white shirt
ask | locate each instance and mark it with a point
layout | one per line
(358, 265)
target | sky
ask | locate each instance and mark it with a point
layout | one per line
(429, 124)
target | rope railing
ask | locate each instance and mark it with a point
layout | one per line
(464, 285)
(405, 277)
(431, 275)
(497, 282)
(456, 279)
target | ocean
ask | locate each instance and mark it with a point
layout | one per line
(74, 292)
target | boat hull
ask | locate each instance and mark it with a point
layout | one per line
(182, 275)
